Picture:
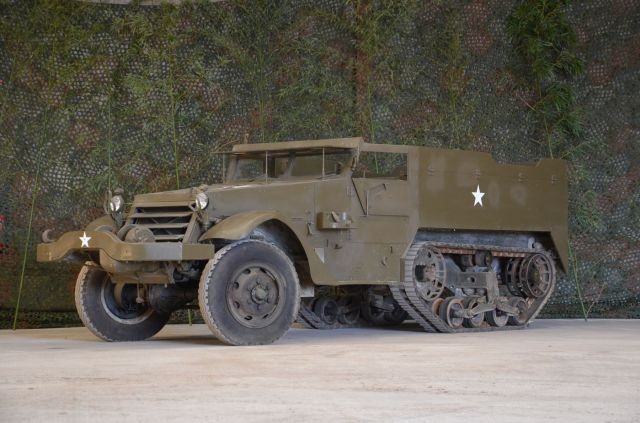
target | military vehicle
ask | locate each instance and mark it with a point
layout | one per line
(331, 233)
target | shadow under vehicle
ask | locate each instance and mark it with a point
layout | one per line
(331, 233)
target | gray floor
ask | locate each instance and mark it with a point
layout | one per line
(557, 370)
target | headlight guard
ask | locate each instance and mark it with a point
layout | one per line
(116, 204)
(202, 201)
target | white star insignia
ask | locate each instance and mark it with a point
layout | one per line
(85, 240)
(477, 197)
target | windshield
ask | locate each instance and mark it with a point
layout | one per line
(289, 164)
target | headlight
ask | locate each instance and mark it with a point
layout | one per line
(202, 201)
(116, 204)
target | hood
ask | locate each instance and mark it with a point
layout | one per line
(188, 194)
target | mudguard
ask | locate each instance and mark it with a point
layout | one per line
(241, 225)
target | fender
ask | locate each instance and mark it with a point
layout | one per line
(101, 221)
(241, 225)
(560, 239)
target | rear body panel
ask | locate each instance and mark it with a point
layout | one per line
(354, 229)
(514, 198)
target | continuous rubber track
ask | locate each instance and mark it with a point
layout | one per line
(310, 320)
(420, 310)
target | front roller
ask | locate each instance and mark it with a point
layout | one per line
(249, 293)
(111, 311)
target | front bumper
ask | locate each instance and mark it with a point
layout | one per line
(118, 250)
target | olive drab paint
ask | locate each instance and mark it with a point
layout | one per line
(349, 213)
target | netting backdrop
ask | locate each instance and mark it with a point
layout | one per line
(98, 96)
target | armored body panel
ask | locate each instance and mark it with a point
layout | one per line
(510, 198)
(332, 233)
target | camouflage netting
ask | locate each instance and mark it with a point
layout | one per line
(98, 96)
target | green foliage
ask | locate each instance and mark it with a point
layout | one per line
(457, 102)
(99, 96)
(545, 42)
(374, 27)
(587, 217)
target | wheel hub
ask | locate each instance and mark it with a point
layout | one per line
(259, 294)
(121, 302)
(254, 297)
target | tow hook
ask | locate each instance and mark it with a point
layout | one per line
(47, 238)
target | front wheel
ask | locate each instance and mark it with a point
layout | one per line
(249, 293)
(110, 311)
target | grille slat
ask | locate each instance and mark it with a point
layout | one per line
(169, 237)
(154, 215)
(167, 222)
(166, 225)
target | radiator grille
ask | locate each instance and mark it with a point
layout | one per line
(168, 223)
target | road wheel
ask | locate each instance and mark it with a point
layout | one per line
(520, 318)
(449, 312)
(373, 315)
(496, 318)
(435, 305)
(110, 311)
(249, 293)
(477, 320)
(326, 308)
(397, 316)
(349, 310)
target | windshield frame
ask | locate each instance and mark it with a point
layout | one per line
(268, 157)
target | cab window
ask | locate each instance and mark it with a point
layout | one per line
(373, 164)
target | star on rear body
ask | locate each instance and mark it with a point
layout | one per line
(477, 197)
(85, 240)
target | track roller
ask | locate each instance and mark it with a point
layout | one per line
(348, 310)
(520, 318)
(475, 321)
(496, 318)
(326, 308)
(451, 312)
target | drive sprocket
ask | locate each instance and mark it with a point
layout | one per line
(429, 273)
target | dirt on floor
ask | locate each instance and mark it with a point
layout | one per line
(557, 370)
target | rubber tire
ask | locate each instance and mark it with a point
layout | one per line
(92, 312)
(475, 321)
(375, 317)
(446, 309)
(352, 318)
(521, 305)
(218, 274)
(435, 305)
(496, 318)
(320, 309)
(397, 316)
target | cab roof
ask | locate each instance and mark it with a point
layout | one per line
(332, 143)
(347, 143)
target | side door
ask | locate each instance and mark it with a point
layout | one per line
(382, 207)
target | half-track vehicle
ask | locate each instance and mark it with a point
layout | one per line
(331, 233)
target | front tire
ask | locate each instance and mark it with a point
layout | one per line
(249, 293)
(110, 311)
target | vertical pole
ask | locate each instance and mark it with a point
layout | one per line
(266, 167)
(109, 139)
(224, 167)
(322, 162)
(26, 246)
(573, 262)
(363, 69)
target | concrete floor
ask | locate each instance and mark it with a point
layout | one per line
(557, 370)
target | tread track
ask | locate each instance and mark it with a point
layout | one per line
(310, 320)
(420, 310)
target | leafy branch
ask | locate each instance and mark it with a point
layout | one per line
(545, 43)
